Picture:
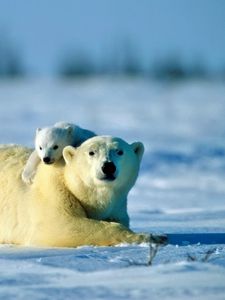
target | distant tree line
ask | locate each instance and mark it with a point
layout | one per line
(123, 60)
(128, 64)
(10, 61)
(173, 69)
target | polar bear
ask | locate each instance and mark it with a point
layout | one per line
(60, 208)
(49, 143)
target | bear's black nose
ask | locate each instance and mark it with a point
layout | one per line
(46, 160)
(108, 168)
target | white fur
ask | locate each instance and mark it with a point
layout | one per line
(49, 143)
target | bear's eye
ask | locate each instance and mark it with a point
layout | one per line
(40, 148)
(91, 153)
(120, 152)
(55, 147)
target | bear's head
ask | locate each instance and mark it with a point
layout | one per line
(104, 161)
(50, 142)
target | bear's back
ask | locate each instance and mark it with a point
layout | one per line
(13, 205)
(11, 155)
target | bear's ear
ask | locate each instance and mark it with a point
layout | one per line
(138, 148)
(68, 153)
(38, 130)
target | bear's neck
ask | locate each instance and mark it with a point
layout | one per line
(51, 180)
(99, 202)
(102, 203)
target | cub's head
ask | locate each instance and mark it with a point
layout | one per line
(105, 161)
(50, 142)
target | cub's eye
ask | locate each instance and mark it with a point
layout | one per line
(120, 152)
(40, 148)
(55, 147)
(91, 153)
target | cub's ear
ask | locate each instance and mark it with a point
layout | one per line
(69, 129)
(68, 153)
(139, 149)
(38, 130)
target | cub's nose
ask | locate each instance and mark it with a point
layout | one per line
(108, 168)
(46, 160)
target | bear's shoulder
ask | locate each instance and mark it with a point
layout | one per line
(14, 152)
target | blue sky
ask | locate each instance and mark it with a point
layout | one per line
(45, 30)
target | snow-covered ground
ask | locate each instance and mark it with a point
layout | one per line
(180, 189)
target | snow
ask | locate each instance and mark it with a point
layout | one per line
(180, 190)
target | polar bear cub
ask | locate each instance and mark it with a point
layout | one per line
(49, 144)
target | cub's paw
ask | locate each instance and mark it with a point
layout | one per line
(28, 177)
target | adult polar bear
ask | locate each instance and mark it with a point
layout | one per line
(59, 208)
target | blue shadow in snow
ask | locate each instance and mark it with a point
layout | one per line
(183, 239)
(201, 156)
